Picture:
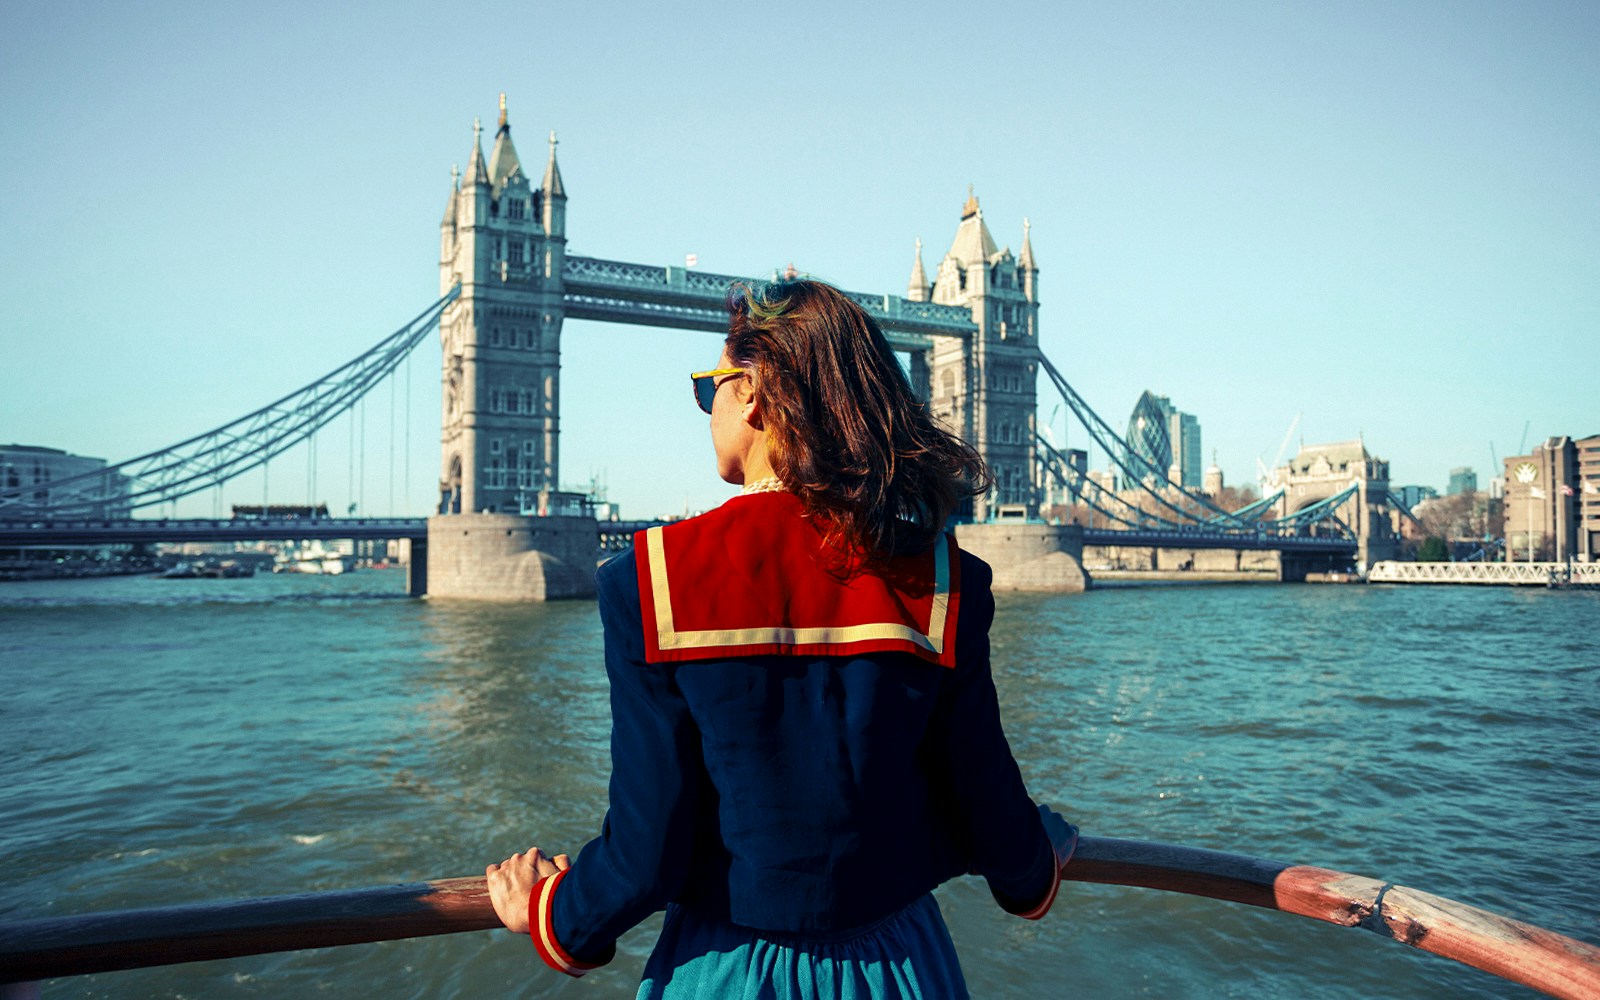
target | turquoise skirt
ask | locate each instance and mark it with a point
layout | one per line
(907, 954)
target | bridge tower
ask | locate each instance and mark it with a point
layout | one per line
(503, 241)
(1320, 471)
(984, 389)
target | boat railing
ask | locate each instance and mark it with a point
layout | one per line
(32, 951)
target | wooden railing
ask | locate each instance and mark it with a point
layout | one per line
(127, 939)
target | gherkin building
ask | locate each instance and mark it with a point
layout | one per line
(1149, 439)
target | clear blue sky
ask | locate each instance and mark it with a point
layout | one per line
(1383, 216)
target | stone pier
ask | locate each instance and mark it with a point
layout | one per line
(1029, 556)
(509, 557)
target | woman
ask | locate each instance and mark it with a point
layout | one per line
(805, 735)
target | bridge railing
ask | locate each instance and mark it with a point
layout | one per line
(78, 945)
(1535, 574)
(112, 532)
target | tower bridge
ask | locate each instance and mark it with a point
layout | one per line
(969, 334)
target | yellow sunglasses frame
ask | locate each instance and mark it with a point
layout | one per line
(694, 383)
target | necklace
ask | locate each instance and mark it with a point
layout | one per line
(772, 484)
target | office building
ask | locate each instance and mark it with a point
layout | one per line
(1413, 495)
(1462, 480)
(35, 481)
(1163, 444)
(1552, 502)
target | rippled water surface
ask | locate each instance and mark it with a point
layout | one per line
(178, 741)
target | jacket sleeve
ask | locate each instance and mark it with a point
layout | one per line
(639, 862)
(1006, 836)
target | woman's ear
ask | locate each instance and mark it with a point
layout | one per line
(749, 395)
(751, 413)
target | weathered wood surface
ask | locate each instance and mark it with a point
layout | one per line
(66, 946)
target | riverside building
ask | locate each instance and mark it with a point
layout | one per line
(33, 478)
(1552, 502)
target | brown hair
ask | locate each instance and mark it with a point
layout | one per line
(845, 433)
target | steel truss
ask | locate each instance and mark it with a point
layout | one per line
(213, 458)
(1186, 509)
(684, 298)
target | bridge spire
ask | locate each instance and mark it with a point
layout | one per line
(974, 244)
(475, 167)
(918, 287)
(455, 195)
(503, 162)
(552, 173)
(1028, 263)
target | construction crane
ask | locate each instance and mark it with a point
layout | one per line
(1264, 472)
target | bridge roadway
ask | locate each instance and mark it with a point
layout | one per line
(242, 529)
(614, 535)
(1183, 538)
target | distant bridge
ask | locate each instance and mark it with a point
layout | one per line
(242, 529)
(1199, 538)
(612, 536)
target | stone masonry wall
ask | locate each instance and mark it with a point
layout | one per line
(508, 557)
(1026, 556)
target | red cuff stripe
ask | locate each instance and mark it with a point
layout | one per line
(542, 927)
(1049, 897)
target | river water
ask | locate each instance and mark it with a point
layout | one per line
(179, 741)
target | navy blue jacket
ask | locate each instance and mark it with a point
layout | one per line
(795, 795)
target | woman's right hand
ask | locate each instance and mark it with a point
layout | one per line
(511, 884)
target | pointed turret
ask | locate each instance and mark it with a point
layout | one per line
(918, 287)
(1029, 263)
(552, 173)
(553, 197)
(455, 192)
(503, 162)
(476, 170)
(973, 243)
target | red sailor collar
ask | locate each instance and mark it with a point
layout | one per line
(752, 578)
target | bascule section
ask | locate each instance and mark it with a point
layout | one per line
(1344, 483)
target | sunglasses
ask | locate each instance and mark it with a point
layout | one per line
(706, 385)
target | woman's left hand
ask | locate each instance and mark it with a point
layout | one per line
(511, 883)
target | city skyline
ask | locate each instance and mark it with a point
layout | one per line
(1382, 220)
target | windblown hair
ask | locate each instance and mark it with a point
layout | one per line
(845, 433)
